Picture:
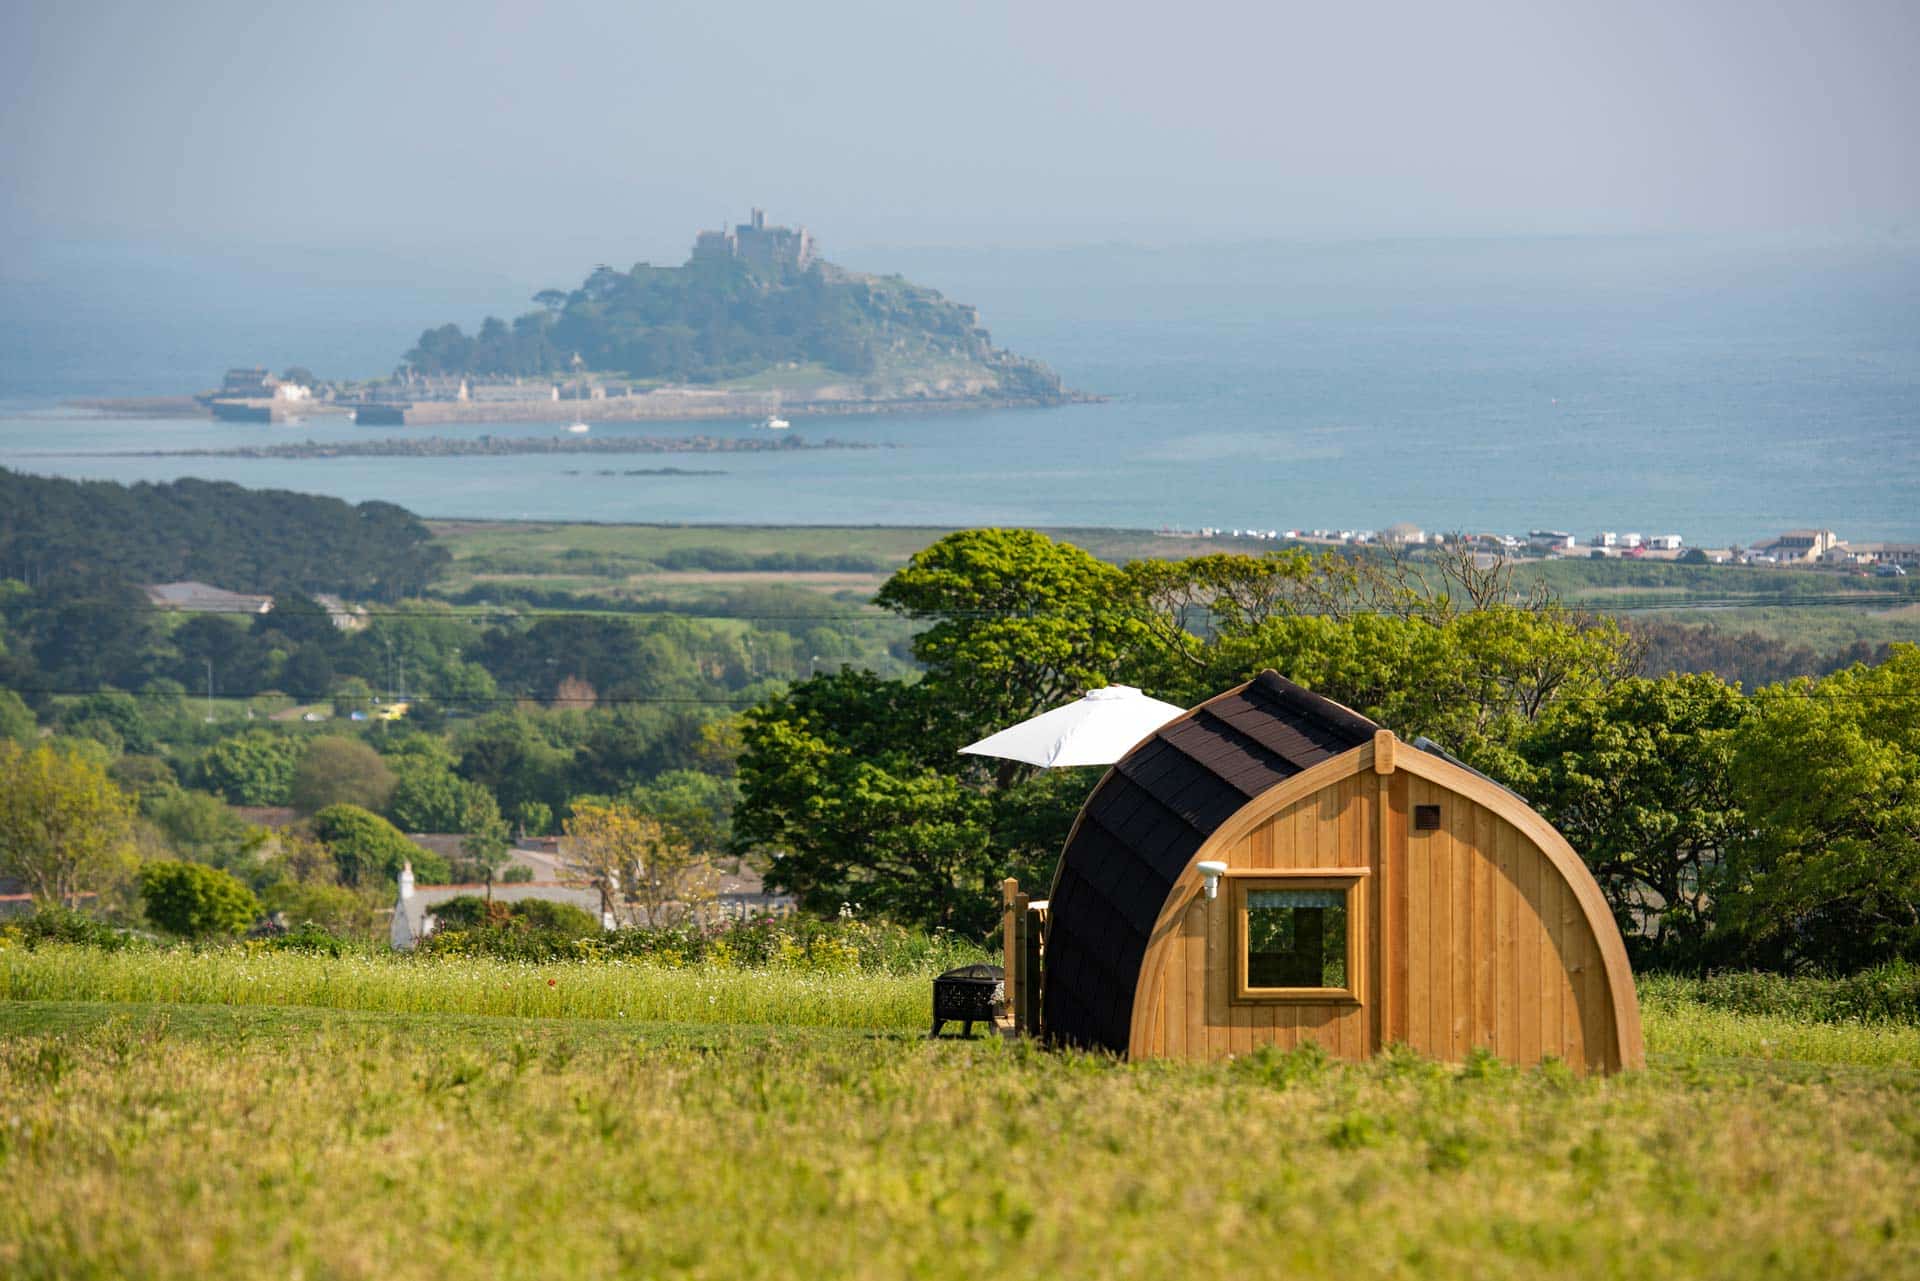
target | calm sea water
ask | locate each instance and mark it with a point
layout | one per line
(1719, 392)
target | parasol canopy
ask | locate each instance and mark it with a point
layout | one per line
(1098, 729)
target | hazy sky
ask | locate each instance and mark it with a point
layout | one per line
(536, 137)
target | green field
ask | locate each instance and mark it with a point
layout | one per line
(248, 1114)
(890, 544)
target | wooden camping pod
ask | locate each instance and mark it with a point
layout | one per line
(1466, 919)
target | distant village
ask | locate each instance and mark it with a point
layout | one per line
(1799, 548)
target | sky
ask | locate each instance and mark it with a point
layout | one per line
(533, 138)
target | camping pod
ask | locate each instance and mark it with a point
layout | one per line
(1273, 868)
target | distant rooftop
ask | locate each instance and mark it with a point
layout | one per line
(204, 598)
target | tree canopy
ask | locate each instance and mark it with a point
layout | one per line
(249, 540)
(1826, 870)
(194, 900)
(65, 829)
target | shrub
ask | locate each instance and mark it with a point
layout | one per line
(310, 936)
(797, 942)
(194, 900)
(565, 918)
(545, 926)
(370, 850)
(467, 912)
(518, 873)
(334, 909)
(63, 925)
(1888, 993)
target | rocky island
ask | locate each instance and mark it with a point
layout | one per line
(755, 324)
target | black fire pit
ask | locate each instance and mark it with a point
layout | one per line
(968, 995)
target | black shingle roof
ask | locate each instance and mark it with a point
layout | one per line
(1147, 819)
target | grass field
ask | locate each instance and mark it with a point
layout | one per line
(385, 1118)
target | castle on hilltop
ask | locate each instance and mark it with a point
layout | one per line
(757, 244)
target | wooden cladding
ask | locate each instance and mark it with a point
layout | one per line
(1480, 931)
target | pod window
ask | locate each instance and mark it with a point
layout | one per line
(1296, 938)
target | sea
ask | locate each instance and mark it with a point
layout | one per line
(1719, 390)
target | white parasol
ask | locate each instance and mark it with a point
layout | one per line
(1096, 730)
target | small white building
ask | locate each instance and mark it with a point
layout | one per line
(1606, 538)
(1664, 542)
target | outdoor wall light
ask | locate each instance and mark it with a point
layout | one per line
(1213, 870)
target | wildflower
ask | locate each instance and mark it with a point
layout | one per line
(553, 982)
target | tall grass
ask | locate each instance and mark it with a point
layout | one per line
(600, 989)
(1887, 993)
(238, 1144)
(1679, 1020)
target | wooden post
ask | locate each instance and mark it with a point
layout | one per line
(1013, 916)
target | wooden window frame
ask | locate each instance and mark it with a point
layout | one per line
(1351, 880)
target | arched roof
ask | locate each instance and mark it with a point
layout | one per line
(1141, 826)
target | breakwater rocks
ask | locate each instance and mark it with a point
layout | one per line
(505, 446)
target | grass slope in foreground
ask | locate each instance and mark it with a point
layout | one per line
(214, 1140)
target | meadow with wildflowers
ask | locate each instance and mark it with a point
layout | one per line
(724, 1109)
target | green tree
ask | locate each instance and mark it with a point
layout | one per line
(336, 771)
(64, 827)
(508, 755)
(120, 711)
(533, 818)
(1637, 779)
(485, 839)
(200, 828)
(1018, 624)
(1472, 681)
(835, 792)
(147, 779)
(645, 873)
(1827, 872)
(698, 807)
(429, 798)
(194, 900)
(368, 850)
(254, 768)
(17, 724)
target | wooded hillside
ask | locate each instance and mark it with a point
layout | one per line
(258, 540)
